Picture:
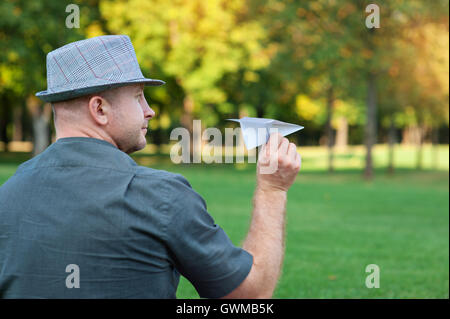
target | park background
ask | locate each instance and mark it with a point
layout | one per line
(374, 102)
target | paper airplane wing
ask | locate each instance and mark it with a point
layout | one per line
(286, 128)
(256, 131)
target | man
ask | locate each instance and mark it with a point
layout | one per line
(83, 220)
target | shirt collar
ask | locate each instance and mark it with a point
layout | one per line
(88, 151)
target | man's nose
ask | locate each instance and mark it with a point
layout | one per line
(148, 111)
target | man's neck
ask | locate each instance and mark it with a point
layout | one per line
(84, 133)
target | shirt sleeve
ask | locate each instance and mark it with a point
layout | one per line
(201, 250)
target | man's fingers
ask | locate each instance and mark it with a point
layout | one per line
(292, 159)
(298, 159)
(283, 149)
(273, 143)
(284, 154)
(292, 150)
(275, 138)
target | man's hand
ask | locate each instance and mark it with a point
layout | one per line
(278, 164)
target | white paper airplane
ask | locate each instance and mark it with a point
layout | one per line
(256, 131)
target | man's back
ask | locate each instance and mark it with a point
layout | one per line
(129, 230)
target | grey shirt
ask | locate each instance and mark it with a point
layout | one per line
(130, 230)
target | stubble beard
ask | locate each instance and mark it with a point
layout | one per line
(133, 142)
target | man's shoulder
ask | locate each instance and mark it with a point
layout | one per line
(162, 177)
(29, 164)
(171, 190)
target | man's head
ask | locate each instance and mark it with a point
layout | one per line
(77, 71)
(119, 116)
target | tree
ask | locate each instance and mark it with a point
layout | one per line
(29, 30)
(417, 80)
(192, 45)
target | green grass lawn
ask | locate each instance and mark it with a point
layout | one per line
(337, 224)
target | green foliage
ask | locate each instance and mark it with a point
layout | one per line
(191, 43)
(28, 31)
(223, 59)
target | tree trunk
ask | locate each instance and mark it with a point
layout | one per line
(329, 129)
(157, 135)
(342, 134)
(187, 120)
(406, 136)
(4, 121)
(411, 135)
(18, 128)
(260, 111)
(419, 157)
(370, 130)
(435, 151)
(391, 141)
(41, 117)
(41, 134)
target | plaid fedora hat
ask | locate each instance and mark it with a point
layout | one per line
(90, 66)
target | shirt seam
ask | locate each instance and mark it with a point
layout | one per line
(170, 217)
(132, 170)
(78, 139)
(62, 166)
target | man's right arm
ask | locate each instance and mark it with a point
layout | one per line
(265, 239)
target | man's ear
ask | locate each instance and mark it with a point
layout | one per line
(100, 109)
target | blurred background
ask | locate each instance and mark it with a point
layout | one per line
(374, 103)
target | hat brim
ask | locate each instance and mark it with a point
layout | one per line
(73, 93)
